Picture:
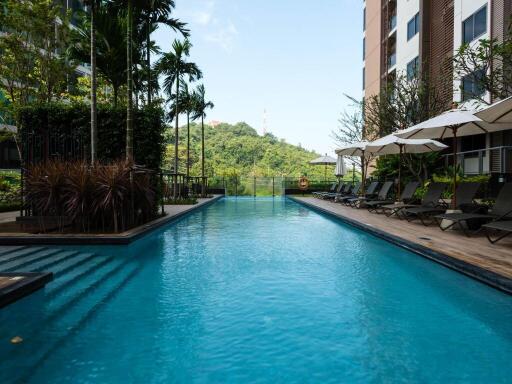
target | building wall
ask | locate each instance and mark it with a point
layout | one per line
(406, 50)
(372, 59)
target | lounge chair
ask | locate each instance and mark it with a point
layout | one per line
(342, 189)
(431, 199)
(368, 194)
(382, 195)
(501, 228)
(406, 197)
(466, 193)
(501, 211)
(353, 193)
(331, 190)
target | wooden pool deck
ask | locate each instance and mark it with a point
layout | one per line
(475, 256)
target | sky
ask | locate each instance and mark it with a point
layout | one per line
(293, 58)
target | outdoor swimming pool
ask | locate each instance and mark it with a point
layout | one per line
(257, 290)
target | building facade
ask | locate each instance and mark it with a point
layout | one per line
(413, 37)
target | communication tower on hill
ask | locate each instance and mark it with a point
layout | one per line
(264, 129)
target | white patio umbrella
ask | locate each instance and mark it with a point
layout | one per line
(499, 112)
(392, 145)
(356, 149)
(447, 124)
(340, 170)
(453, 123)
(325, 161)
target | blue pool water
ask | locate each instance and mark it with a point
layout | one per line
(256, 290)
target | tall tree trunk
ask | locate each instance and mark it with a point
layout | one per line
(203, 187)
(188, 144)
(176, 132)
(116, 95)
(129, 84)
(94, 128)
(148, 53)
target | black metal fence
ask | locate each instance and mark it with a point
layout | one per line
(264, 186)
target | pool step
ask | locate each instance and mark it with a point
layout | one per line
(51, 263)
(23, 263)
(17, 254)
(62, 322)
(6, 249)
(70, 275)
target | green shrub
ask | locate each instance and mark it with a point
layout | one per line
(62, 131)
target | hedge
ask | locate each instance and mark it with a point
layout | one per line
(62, 131)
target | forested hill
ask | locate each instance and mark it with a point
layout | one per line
(239, 150)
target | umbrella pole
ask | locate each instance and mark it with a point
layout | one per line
(363, 173)
(325, 172)
(454, 197)
(399, 172)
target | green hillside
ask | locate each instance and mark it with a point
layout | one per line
(238, 150)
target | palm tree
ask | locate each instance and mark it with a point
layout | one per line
(129, 83)
(174, 66)
(187, 104)
(157, 12)
(110, 51)
(200, 108)
(94, 110)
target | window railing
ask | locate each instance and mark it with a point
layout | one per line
(392, 22)
(483, 161)
(392, 60)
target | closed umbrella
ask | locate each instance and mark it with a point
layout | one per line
(325, 161)
(391, 144)
(356, 149)
(340, 170)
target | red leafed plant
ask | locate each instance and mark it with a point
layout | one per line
(105, 197)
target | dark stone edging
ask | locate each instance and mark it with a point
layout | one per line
(32, 282)
(123, 238)
(485, 276)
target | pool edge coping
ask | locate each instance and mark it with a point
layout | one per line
(480, 274)
(122, 238)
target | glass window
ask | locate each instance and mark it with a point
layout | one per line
(475, 25)
(480, 22)
(364, 85)
(364, 19)
(413, 68)
(413, 26)
(364, 48)
(472, 85)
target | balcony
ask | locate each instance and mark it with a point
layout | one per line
(484, 161)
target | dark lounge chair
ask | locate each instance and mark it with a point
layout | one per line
(382, 195)
(431, 199)
(331, 190)
(406, 197)
(501, 211)
(353, 193)
(368, 194)
(342, 189)
(502, 229)
(466, 193)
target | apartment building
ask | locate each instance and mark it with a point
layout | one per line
(413, 37)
